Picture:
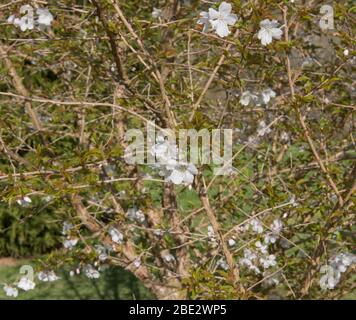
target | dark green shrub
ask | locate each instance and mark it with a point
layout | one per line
(27, 232)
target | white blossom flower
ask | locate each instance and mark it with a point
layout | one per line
(182, 173)
(346, 52)
(27, 199)
(249, 260)
(169, 257)
(268, 261)
(70, 243)
(11, 291)
(211, 234)
(137, 263)
(220, 20)
(267, 95)
(293, 201)
(332, 272)
(102, 252)
(342, 261)
(11, 19)
(158, 232)
(116, 235)
(24, 202)
(177, 172)
(256, 225)
(276, 226)
(45, 18)
(269, 30)
(270, 238)
(157, 13)
(222, 264)
(285, 136)
(249, 254)
(261, 247)
(26, 284)
(263, 129)
(48, 276)
(91, 272)
(255, 269)
(26, 22)
(204, 20)
(231, 242)
(247, 97)
(67, 226)
(135, 215)
(164, 150)
(330, 278)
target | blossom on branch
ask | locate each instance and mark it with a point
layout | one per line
(218, 20)
(269, 30)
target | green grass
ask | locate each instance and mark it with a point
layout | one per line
(114, 284)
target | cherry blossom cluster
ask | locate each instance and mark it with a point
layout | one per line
(257, 99)
(168, 164)
(26, 283)
(333, 270)
(220, 20)
(28, 22)
(258, 256)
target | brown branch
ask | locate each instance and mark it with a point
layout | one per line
(20, 88)
(321, 245)
(301, 118)
(167, 103)
(211, 78)
(171, 290)
(217, 230)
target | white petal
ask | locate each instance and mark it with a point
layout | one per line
(192, 168)
(11, 19)
(204, 19)
(264, 36)
(11, 291)
(17, 21)
(188, 177)
(276, 33)
(23, 26)
(204, 15)
(213, 14)
(176, 177)
(265, 23)
(225, 8)
(322, 282)
(245, 100)
(221, 28)
(231, 19)
(274, 24)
